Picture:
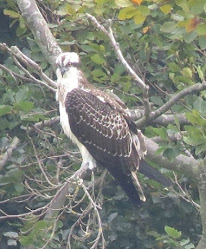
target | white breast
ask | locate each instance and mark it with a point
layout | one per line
(88, 160)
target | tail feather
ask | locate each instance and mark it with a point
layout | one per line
(130, 186)
(154, 174)
(130, 183)
(137, 186)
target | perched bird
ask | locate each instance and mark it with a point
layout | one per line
(100, 125)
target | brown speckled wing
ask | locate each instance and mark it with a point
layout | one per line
(98, 126)
(105, 132)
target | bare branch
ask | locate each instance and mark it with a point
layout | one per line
(184, 194)
(59, 199)
(19, 58)
(40, 164)
(100, 229)
(43, 123)
(22, 215)
(5, 157)
(116, 47)
(192, 89)
(40, 30)
(164, 119)
(185, 164)
(29, 62)
(202, 191)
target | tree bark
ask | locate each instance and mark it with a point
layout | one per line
(202, 195)
(40, 30)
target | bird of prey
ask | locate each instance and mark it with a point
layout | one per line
(100, 125)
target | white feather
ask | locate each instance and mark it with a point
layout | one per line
(86, 156)
(66, 84)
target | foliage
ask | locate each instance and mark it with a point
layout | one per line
(164, 42)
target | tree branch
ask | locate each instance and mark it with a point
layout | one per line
(165, 119)
(39, 125)
(116, 47)
(40, 30)
(184, 164)
(59, 199)
(19, 58)
(192, 89)
(202, 191)
(5, 157)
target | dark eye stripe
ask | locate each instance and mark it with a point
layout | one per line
(74, 64)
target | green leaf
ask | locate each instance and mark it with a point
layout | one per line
(144, 10)
(200, 106)
(69, 9)
(171, 153)
(194, 116)
(195, 141)
(191, 36)
(174, 67)
(168, 27)
(159, 150)
(157, 100)
(24, 106)
(166, 9)
(200, 73)
(200, 148)
(187, 72)
(19, 187)
(202, 42)
(184, 242)
(5, 109)
(196, 6)
(11, 13)
(98, 59)
(201, 29)
(123, 3)
(127, 13)
(172, 232)
(139, 18)
(22, 94)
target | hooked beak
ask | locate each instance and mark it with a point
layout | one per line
(63, 70)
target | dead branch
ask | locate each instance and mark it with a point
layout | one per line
(5, 157)
(192, 89)
(40, 30)
(22, 61)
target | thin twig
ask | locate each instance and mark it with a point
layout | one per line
(140, 82)
(184, 194)
(19, 59)
(40, 164)
(28, 62)
(43, 123)
(116, 47)
(192, 89)
(95, 207)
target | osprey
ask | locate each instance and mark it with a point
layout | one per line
(100, 125)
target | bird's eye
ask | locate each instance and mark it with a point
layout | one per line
(69, 64)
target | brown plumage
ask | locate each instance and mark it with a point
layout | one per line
(101, 127)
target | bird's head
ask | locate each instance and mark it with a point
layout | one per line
(65, 62)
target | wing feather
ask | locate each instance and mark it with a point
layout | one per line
(98, 126)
